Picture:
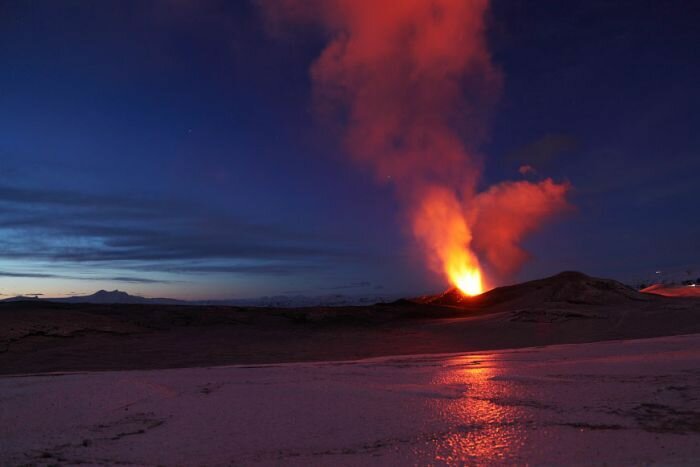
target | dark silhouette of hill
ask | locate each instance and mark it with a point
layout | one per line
(569, 287)
(118, 296)
(22, 298)
(43, 335)
(276, 301)
(102, 297)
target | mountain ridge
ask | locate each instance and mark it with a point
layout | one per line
(276, 301)
(568, 287)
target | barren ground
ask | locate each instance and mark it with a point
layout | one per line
(568, 308)
(634, 402)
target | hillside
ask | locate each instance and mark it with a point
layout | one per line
(570, 307)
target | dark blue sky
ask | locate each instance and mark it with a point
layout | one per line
(169, 148)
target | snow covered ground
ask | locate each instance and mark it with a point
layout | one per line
(623, 402)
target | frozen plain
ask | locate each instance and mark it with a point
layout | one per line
(628, 402)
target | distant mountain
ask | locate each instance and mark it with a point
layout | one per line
(21, 298)
(117, 296)
(103, 297)
(277, 301)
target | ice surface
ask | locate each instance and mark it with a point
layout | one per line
(623, 402)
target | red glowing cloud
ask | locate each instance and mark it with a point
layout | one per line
(506, 212)
(411, 84)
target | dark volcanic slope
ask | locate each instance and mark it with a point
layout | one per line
(565, 288)
(567, 308)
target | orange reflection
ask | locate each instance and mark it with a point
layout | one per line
(484, 420)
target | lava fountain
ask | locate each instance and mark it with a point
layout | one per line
(466, 279)
(441, 226)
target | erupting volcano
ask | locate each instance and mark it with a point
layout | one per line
(261, 304)
(443, 229)
(466, 279)
(410, 86)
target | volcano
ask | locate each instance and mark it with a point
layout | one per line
(569, 287)
(565, 296)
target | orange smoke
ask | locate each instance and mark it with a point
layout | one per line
(411, 83)
(508, 211)
(440, 226)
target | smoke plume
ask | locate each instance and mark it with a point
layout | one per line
(411, 84)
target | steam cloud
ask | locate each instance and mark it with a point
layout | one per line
(411, 83)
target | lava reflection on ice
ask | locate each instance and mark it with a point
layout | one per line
(629, 403)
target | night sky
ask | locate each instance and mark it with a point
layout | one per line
(170, 149)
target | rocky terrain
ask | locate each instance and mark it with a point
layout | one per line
(44, 336)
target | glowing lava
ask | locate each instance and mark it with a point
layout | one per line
(439, 222)
(467, 280)
(463, 271)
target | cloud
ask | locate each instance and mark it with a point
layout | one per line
(279, 269)
(543, 150)
(135, 280)
(353, 285)
(17, 195)
(409, 88)
(527, 170)
(27, 274)
(135, 233)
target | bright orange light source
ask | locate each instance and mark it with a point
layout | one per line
(469, 282)
(439, 221)
(464, 274)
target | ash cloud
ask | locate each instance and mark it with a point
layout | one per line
(411, 85)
